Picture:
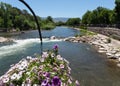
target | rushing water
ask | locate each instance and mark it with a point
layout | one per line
(88, 66)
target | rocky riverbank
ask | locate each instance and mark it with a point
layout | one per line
(104, 44)
(3, 39)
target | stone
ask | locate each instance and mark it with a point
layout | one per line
(109, 54)
(52, 37)
(2, 39)
(118, 65)
(101, 51)
(119, 59)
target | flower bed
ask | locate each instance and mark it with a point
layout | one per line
(48, 70)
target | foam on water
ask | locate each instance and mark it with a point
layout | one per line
(21, 45)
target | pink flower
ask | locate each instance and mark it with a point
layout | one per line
(62, 66)
(46, 74)
(28, 81)
(77, 83)
(5, 80)
(55, 69)
(41, 67)
(59, 57)
(44, 55)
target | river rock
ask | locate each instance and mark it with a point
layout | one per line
(109, 54)
(117, 54)
(52, 37)
(118, 64)
(101, 51)
(71, 39)
(2, 39)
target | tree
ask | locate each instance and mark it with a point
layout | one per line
(117, 11)
(14, 18)
(49, 19)
(73, 21)
(60, 23)
(1, 22)
(112, 17)
(86, 17)
(19, 22)
(100, 16)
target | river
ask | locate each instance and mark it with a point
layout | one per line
(88, 66)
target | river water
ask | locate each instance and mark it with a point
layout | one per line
(88, 66)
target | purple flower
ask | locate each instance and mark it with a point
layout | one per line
(62, 66)
(55, 47)
(46, 74)
(45, 83)
(56, 81)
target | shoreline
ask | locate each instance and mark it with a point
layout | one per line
(102, 43)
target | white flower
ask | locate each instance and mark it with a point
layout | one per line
(22, 65)
(19, 76)
(14, 76)
(42, 59)
(69, 81)
(23, 85)
(5, 80)
(44, 55)
(52, 55)
(28, 73)
(35, 85)
(59, 57)
(66, 61)
(63, 84)
(77, 83)
(29, 57)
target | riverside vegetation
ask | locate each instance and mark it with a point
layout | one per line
(14, 19)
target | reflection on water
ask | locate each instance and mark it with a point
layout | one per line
(88, 66)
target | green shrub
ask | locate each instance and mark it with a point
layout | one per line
(83, 27)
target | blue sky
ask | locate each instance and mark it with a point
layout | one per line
(62, 8)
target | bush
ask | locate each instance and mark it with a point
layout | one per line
(83, 27)
(48, 26)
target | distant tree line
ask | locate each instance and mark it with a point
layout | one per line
(103, 16)
(99, 17)
(12, 18)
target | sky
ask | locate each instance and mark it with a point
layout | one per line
(62, 8)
